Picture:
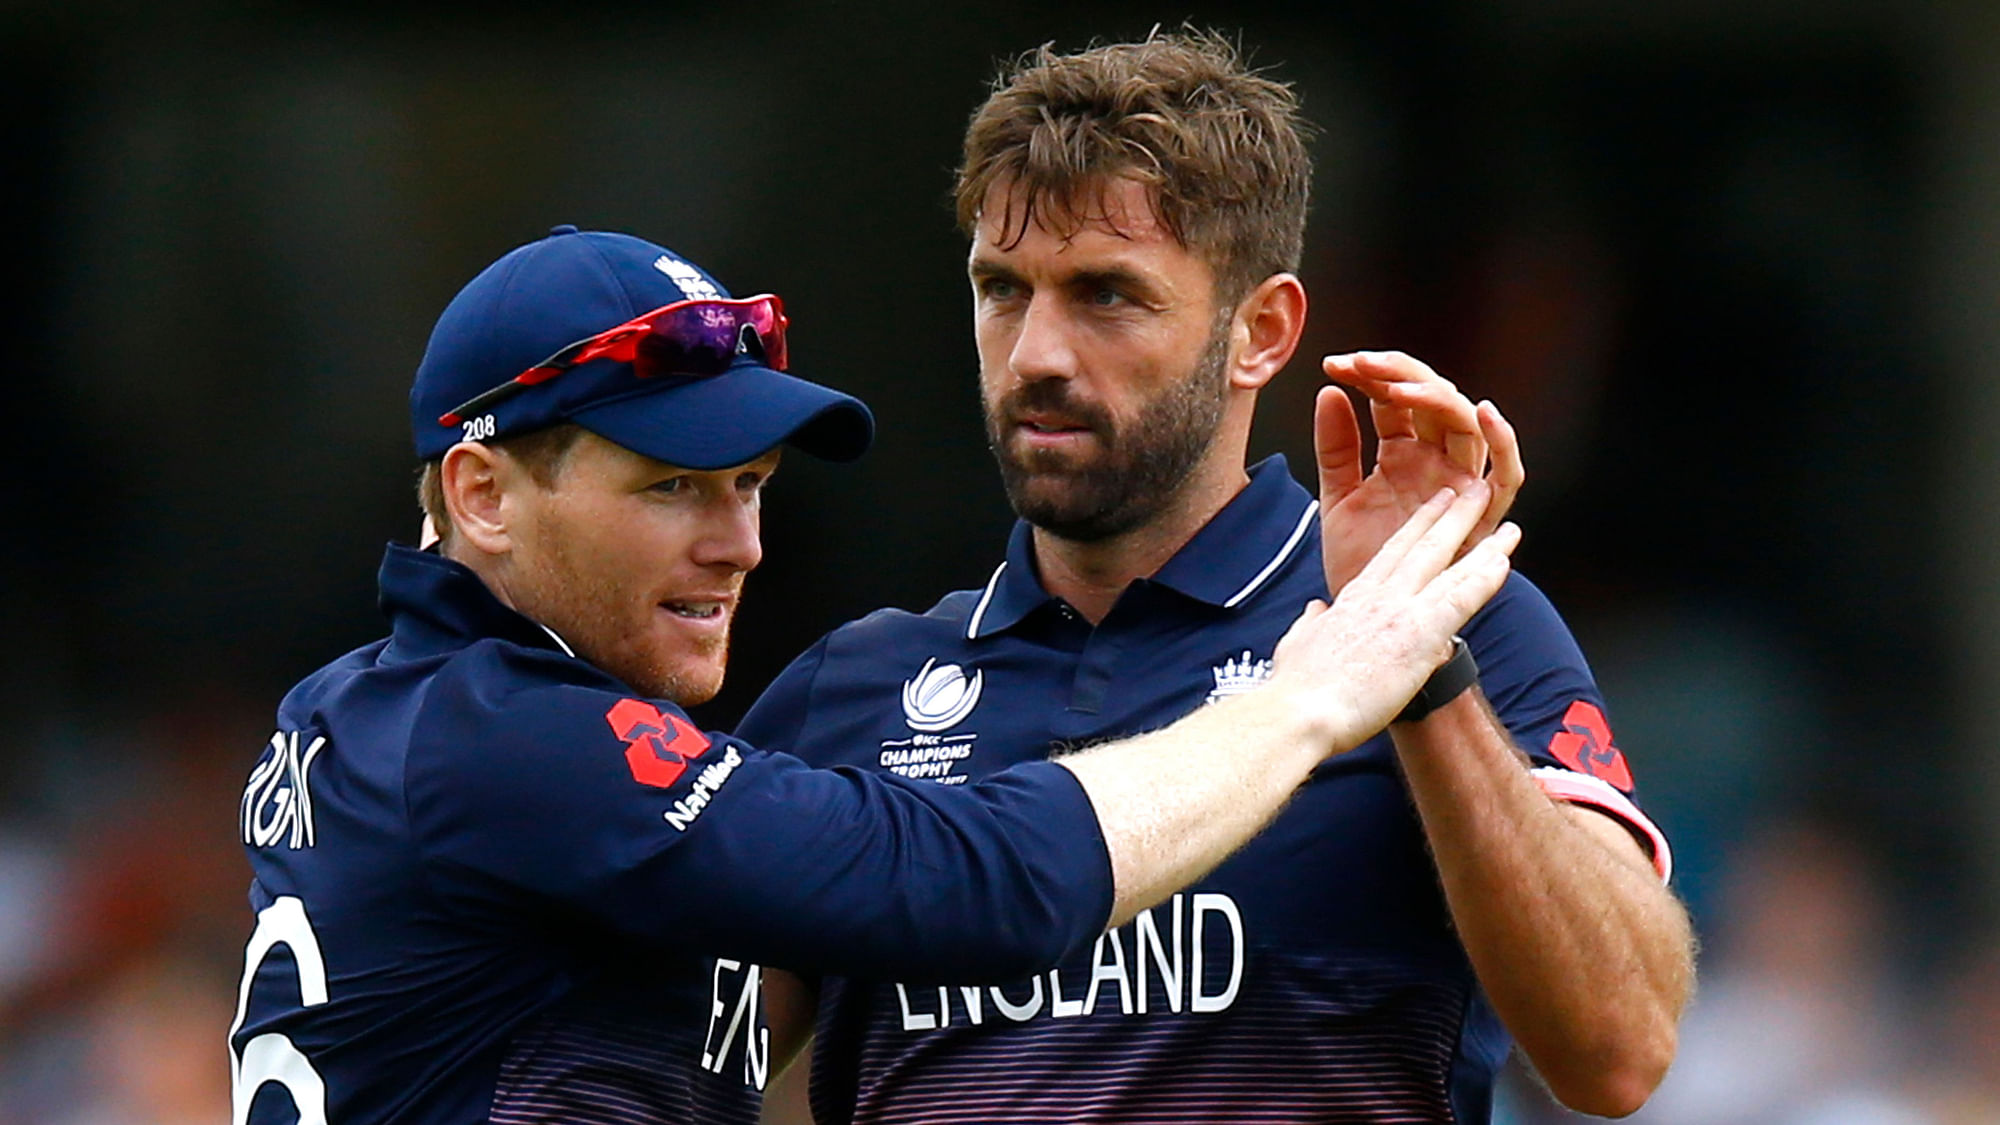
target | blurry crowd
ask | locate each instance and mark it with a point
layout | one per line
(1814, 1009)
(122, 921)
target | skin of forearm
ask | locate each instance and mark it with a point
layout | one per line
(1586, 957)
(1175, 803)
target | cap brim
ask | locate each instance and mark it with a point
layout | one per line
(732, 418)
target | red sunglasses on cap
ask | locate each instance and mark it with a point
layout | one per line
(688, 338)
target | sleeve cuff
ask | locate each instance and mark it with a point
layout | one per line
(1582, 789)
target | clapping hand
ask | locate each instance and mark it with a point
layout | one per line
(1429, 436)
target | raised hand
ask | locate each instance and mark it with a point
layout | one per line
(1429, 436)
(1390, 626)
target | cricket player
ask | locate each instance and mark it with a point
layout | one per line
(1477, 871)
(499, 874)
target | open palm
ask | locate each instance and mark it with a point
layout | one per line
(1428, 436)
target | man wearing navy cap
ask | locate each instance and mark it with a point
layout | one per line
(499, 875)
(1479, 869)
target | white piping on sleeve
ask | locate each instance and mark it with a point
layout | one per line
(1583, 789)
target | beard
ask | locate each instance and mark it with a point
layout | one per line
(1141, 466)
(596, 617)
(690, 677)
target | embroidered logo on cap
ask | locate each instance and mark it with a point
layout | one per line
(658, 746)
(688, 278)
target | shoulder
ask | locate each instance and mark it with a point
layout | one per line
(309, 695)
(840, 680)
(885, 635)
(504, 734)
(949, 614)
(499, 670)
(1530, 665)
(1521, 623)
(495, 693)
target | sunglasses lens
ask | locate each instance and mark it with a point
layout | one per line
(684, 345)
(701, 339)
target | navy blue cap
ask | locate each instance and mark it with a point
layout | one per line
(542, 297)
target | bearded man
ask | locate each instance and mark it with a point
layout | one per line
(1136, 213)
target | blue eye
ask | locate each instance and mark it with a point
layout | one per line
(671, 485)
(1105, 298)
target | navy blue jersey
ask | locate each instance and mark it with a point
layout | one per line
(1314, 977)
(493, 883)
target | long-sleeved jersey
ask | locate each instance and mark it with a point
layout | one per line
(493, 883)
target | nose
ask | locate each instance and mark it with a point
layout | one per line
(1042, 347)
(731, 536)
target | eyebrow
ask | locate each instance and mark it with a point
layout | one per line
(1115, 277)
(980, 269)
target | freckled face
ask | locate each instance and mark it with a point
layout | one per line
(1101, 362)
(639, 565)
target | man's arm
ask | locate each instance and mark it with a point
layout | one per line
(1587, 957)
(1171, 806)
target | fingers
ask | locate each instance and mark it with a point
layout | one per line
(1390, 420)
(1433, 551)
(1428, 540)
(1408, 399)
(1378, 367)
(1471, 582)
(1506, 475)
(1337, 445)
(1466, 452)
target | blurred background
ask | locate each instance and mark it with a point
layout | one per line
(1731, 266)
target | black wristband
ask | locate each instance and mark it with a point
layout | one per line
(1446, 684)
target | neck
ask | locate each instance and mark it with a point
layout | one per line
(485, 566)
(1090, 576)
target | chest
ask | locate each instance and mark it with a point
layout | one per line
(958, 713)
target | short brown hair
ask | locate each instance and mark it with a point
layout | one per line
(541, 452)
(1220, 147)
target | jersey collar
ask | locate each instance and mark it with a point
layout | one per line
(1231, 558)
(437, 605)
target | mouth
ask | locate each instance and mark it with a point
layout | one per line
(695, 609)
(1052, 431)
(1050, 422)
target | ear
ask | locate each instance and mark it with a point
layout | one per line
(476, 482)
(1265, 331)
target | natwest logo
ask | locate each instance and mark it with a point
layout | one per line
(658, 746)
(1584, 745)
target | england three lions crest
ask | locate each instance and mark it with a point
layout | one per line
(1235, 676)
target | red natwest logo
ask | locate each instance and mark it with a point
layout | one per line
(1584, 745)
(658, 746)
